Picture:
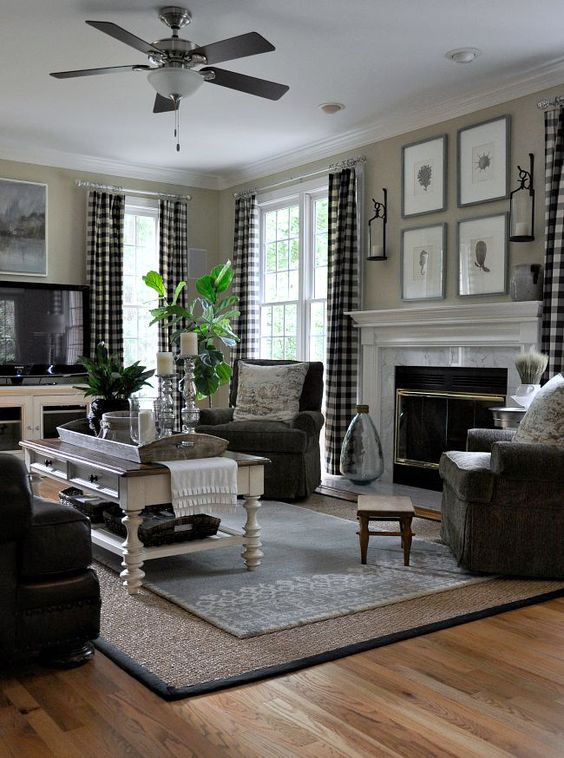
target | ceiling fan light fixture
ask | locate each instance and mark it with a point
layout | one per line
(171, 81)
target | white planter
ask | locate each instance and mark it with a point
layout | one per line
(525, 393)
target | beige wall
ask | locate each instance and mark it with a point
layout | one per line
(382, 288)
(66, 216)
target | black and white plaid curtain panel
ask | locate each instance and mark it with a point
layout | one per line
(246, 275)
(552, 333)
(342, 296)
(173, 253)
(104, 268)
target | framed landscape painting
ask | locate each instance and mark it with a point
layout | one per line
(423, 263)
(484, 161)
(424, 166)
(482, 255)
(23, 228)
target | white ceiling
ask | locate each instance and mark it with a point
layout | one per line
(384, 59)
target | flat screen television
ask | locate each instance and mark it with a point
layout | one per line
(44, 329)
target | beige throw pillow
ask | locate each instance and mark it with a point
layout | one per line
(544, 421)
(269, 393)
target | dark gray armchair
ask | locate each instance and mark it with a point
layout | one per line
(503, 505)
(49, 595)
(293, 448)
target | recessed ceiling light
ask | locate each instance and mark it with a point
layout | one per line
(331, 107)
(463, 54)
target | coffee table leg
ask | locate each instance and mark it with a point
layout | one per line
(363, 537)
(132, 562)
(406, 535)
(252, 553)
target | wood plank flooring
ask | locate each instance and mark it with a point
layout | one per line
(494, 687)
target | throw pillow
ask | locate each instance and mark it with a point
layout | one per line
(269, 393)
(544, 420)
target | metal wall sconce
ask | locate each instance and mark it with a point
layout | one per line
(522, 206)
(377, 230)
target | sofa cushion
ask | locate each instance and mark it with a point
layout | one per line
(58, 541)
(544, 420)
(269, 392)
(468, 474)
(254, 437)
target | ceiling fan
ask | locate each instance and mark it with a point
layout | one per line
(178, 67)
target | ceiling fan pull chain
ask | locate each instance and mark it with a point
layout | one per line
(177, 124)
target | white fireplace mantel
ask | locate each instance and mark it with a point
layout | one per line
(474, 334)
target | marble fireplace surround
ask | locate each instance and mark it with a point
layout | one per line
(478, 334)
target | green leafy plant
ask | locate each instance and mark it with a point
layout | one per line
(109, 379)
(209, 316)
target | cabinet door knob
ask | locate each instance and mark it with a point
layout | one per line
(48, 462)
(93, 478)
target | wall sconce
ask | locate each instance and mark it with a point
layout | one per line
(377, 230)
(522, 206)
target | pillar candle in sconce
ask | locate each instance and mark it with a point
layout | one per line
(165, 364)
(188, 343)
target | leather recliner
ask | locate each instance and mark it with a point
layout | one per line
(49, 595)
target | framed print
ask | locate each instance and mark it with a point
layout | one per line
(484, 161)
(423, 168)
(482, 255)
(423, 263)
(23, 228)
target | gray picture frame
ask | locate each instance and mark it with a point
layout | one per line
(427, 193)
(483, 147)
(474, 265)
(424, 278)
(23, 228)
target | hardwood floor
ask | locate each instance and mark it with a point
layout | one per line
(494, 687)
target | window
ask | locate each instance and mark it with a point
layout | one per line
(140, 255)
(293, 236)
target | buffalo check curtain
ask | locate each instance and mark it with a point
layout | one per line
(342, 296)
(246, 275)
(104, 268)
(552, 330)
(173, 254)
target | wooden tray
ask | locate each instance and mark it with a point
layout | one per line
(174, 448)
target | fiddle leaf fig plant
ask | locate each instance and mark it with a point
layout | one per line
(208, 315)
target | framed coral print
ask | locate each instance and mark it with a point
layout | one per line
(424, 167)
(423, 263)
(23, 228)
(482, 255)
(484, 161)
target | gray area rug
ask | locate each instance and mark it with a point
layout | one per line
(311, 571)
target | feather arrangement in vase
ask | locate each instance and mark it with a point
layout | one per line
(530, 367)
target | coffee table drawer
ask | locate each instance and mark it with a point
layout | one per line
(47, 464)
(92, 478)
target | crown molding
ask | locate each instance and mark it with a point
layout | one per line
(403, 121)
(74, 162)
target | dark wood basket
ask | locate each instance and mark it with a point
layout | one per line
(161, 527)
(89, 505)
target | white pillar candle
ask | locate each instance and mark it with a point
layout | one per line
(377, 251)
(147, 430)
(522, 229)
(165, 364)
(188, 343)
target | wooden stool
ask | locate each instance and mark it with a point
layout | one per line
(385, 508)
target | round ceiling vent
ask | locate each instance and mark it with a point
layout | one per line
(463, 54)
(331, 107)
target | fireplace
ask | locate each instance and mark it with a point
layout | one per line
(434, 408)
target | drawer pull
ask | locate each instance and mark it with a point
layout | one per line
(93, 478)
(48, 462)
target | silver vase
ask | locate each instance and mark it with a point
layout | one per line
(361, 454)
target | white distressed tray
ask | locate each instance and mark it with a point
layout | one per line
(173, 448)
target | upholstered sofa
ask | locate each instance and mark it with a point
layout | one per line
(49, 595)
(292, 447)
(503, 499)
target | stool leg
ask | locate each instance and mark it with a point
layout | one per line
(363, 537)
(406, 535)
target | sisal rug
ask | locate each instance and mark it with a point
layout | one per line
(177, 653)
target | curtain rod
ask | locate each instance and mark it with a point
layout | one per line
(116, 188)
(549, 103)
(348, 163)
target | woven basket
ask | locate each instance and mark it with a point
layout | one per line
(89, 505)
(161, 527)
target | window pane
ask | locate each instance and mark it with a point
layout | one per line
(282, 255)
(320, 282)
(270, 287)
(266, 320)
(278, 319)
(129, 259)
(294, 221)
(282, 223)
(294, 254)
(317, 318)
(321, 215)
(266, 348)
(270, 226)
(271, 257)
(129, 229)
(278, 348)
(321, 250)
(291, 326)
(317, 349)
(282, 286)
(294, 285)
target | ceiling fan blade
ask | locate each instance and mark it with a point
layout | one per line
(249, 84)
(163, 104)
(122, 35)
(95, 71)
(251, 43)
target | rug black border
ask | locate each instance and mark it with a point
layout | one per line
(167, 692)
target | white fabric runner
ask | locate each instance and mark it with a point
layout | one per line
(203, 485)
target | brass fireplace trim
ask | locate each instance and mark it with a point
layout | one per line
(493, 398)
